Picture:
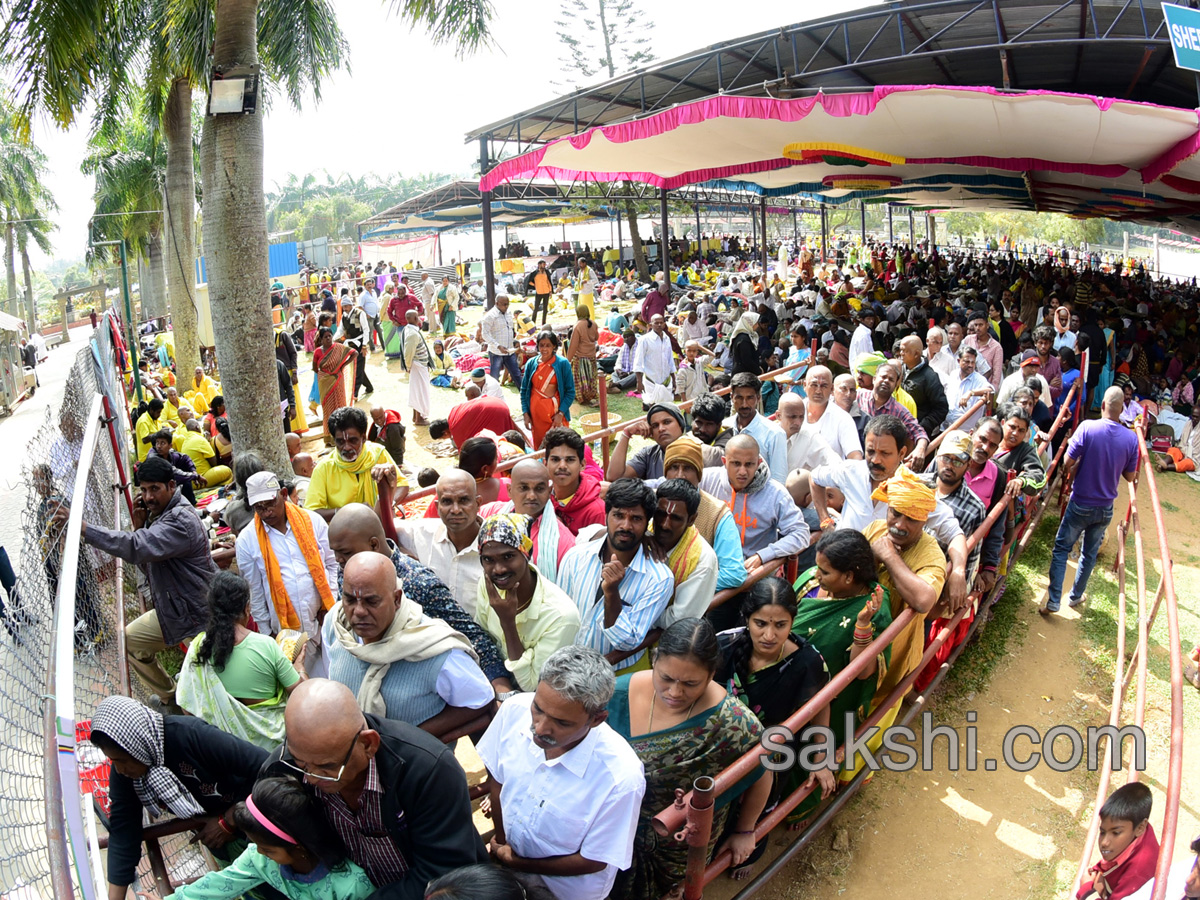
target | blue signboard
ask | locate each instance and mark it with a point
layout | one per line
(1183, 25)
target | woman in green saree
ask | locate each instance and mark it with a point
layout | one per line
(683, 725)
(842, 609)
(235, 678)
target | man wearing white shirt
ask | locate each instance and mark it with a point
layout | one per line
(295, 541)
(1031, 367)
(447, 544)
(692, 329)
(806, 446)
(499, 333)
(835, 424)
(654, 360)
(965, 389)
(566, 789)
(692, 560)
(488, 385)
(940, 358)
(861, 341)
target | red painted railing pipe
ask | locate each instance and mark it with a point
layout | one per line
(1175, 763)
(697, 833)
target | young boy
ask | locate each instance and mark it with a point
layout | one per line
(1127, 845)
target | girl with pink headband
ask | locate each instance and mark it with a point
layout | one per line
(292, 849)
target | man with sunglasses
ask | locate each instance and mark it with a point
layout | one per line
(396, 796)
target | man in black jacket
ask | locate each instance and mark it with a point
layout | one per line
(396, 796)
(924, 385)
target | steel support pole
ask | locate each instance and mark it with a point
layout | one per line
(485, 199)
(862, 222)
(891, 228)
(133, 331)
(699, 239)
(912, 234)
(824, 235)
(620, 213)
(762, 206)
(665, 251)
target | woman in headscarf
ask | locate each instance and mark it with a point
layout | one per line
(441, 366)
(743, 345)
(527, 615)
(169, 764)
(581, 354)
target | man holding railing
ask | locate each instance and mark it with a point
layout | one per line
(170, 544)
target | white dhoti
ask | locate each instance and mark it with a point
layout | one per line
(431, 317)
(419, 397)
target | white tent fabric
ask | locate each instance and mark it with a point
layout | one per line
(921, 146)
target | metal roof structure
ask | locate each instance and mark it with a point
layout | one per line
(1111, 48)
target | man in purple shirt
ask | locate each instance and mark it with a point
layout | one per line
(1101, 452)
(656, 302)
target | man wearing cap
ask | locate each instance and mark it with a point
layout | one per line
(714, 520)
(285, 558)
(487, 385)
(865, 368)
(169, 542)
(862, 341)
(664, 423)
(1031, 367)
(948, 473)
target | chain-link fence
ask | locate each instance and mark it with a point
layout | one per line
(49, 471)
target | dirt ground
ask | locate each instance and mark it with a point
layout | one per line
(1009, 834)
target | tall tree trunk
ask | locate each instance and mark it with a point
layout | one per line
(639, 254)
(154, 289)
(180, 223)
(30, 303)
(235, 242)
(10, 263)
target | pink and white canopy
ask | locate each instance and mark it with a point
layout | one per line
(921, 146)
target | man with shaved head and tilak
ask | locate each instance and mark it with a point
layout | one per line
(529, 490)
(357, 529)
(1100, 453)
(401, 663)
(395, 795)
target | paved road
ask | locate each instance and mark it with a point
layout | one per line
(18, 429)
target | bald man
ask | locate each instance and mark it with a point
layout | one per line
(293, 444)
(395, 795)
(401, 663)
(357, 529)
(923, 384)
(447, 544)
(806, 446)
(529, 490)
(415, 358)
(835, 423)
(1100, 453)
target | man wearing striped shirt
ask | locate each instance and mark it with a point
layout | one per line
(620, 590)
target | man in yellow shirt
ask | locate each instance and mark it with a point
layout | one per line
(351, 474)
(147, 424)
(912, 566)
(171, 408)
(197, 447)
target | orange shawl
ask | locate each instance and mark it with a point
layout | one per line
(302, 528)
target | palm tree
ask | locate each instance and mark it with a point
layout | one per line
(129, 164)
(24, 200)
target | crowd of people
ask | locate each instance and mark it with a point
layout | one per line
(605, 636)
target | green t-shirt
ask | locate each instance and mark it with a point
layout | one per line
(256, 669)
